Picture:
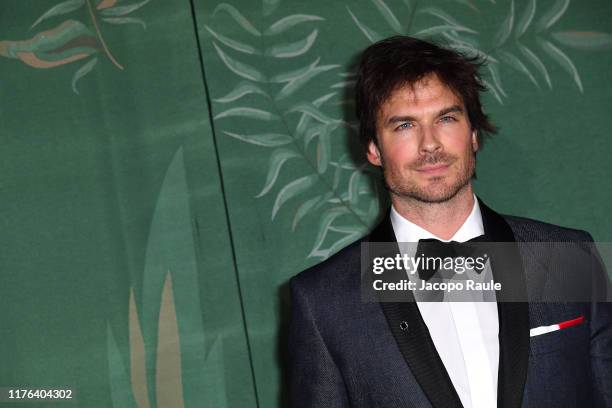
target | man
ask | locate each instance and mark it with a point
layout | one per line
(421, 122)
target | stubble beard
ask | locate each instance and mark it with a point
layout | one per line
(437, 190)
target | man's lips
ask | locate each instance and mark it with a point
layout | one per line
(433, 170)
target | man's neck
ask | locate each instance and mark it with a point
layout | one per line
(441, 219)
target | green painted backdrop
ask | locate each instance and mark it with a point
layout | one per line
(167, 166)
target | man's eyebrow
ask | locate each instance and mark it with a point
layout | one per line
(397, 119)
(452, 109)
(406, 118)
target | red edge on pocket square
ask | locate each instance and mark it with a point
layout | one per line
(536, 331)
(570, 323)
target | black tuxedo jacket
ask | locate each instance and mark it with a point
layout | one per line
(344, 352)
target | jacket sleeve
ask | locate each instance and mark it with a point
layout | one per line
(601, 334)
(314, 378)
(601, 353)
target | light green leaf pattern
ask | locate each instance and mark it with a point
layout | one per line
(60, 9)
(293, 49)
(370, 34)
(246, 112)
(444, 28)
(505, 29)
(269, 6)
(495, 76)
(123, 10)
(312, 132)
(265, 139)
(239, 68)
(278, 158)
(552, 15)
(288, 22)
(323, 150)
(238, 17)
(84, 70)
(242, 89)
(304, 209)
(537, 62)
(233, 44)
(306, 130)
(491, 88)
(444, 17)
(563, 60)
(321, 100)
(291, 190)
(584, 40)
(388, 15)
(283, 83)
(344, 163)
(295, 80)
(126, 20)
(523, 24)
(469, 40)
(324, 228)
(517, 64)
(354, 185)
(313, 112)
(470, 4)
(352, 234)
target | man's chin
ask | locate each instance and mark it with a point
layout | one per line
(434, 198)
(430, 195)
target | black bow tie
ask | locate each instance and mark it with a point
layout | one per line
(433, 248)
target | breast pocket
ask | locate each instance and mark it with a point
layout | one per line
(573, 339)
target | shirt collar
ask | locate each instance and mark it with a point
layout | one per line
(406, 231)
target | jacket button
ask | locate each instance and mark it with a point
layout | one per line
(404, 325)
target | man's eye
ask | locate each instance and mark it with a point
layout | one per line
(448, 119)
(405, 125)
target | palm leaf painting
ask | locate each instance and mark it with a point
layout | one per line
(128, 386)
(138, 374)
(169, 382)
(271, 79)
(328, 189)
(171, 364)
(79, 37)
(524, 40)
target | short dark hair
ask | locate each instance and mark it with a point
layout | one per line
(398, 61)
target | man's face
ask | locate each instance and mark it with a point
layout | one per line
(425, 142)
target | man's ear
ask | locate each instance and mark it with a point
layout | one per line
(475, 140)
(373, 153)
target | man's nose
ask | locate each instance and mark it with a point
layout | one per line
(429, 140)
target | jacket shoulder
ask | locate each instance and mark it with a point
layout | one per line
(529, 230)
(343, 266)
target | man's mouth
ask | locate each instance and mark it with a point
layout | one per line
(433, 169)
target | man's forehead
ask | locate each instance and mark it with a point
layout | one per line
(428, 95)
(429, 86)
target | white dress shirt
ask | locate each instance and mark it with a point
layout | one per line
(461, 331)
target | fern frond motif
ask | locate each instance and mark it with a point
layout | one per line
(73, 40)
(522, 35)
(274, 67)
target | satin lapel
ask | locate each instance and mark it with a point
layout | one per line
(413, 340)
(513, 316)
